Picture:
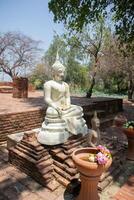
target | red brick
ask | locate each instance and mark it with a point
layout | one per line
(126, 192)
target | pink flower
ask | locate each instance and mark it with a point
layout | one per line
(103, 155)
(101, 158)
(103, 149)
(100, 147)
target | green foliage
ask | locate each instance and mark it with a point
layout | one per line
(58, 44)
(78, 13)
(38, 76)
(70, 55)
(124, 19)
(77, 75)
(129, 124)
(38, 84)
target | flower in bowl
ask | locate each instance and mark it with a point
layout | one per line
(102, 155)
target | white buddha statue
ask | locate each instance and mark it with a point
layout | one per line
(62, 118)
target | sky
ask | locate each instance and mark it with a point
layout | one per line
(31, 17)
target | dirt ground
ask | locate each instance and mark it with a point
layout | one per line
(35, 100)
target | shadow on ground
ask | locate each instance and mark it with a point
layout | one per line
(34, 101)
(72, 190)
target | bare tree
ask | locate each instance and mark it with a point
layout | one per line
(118, 62)
(17, 52)
(90, 42)
(93, 48)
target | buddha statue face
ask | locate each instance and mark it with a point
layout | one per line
(95, 123)
(59, 75)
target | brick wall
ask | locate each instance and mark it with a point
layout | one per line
(6, 84)
(31, 87)
(17, 122)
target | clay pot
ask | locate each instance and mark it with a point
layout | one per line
(89, 173)
(130, 136)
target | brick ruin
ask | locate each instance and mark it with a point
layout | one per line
(16, 122)
(50, 166)
(7, 87)
(106, 108)
(53, 165)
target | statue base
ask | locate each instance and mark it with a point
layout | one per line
(57, 131)
(33, 159)
(47, 164)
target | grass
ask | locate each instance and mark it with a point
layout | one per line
(79, 92)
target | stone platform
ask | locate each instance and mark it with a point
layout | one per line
(54, 163)
(18, 115)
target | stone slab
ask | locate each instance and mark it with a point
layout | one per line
(14, 139)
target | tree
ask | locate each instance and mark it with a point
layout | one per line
(78, 13)
(70, 57)
(89, 41)
(39, 75)
(76, 73)
(57, 44)
(17, 52)
(117, 65)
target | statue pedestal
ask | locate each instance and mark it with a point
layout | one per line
(27, 155)
(32, 158)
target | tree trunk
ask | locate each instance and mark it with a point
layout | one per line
(130, 89)
(90, 91)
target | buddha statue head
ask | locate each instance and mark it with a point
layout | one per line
(95, 122)
(58, 69)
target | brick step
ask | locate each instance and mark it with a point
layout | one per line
(62, 173)
(63, 181)
(69, 170)
(76, 144)
(31, 152)
(41, 152)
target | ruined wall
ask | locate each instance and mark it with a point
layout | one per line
(6, 84)
(23, 121)
(16, 122)
(6, 87)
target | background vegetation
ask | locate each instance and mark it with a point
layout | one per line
(96, 48)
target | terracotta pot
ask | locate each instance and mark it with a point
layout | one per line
(130, 136)
(89, 173)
